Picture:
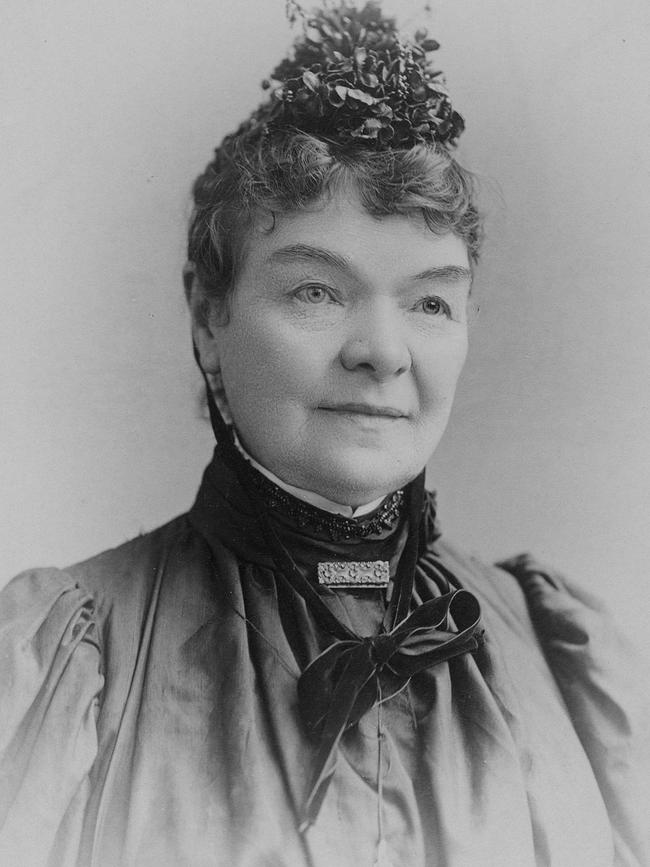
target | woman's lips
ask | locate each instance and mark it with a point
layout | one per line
(365, 409)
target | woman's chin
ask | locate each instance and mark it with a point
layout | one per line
(357, 482)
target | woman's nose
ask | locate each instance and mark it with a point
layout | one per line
(376, 344)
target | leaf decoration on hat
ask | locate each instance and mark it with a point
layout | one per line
(352, 78)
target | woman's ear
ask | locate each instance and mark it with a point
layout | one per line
(204, 334)
(205, 337)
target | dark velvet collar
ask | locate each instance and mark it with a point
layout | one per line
(223, 511)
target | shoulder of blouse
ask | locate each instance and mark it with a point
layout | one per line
(601, 675)
(121, 579)
(603, 680)
(50, 682)
(54, 626)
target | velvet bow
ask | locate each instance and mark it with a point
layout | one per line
(351, 676)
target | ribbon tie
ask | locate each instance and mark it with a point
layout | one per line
(351, 676)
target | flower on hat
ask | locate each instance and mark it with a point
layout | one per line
(352, 78)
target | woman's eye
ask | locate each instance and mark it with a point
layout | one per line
(314, 293)
(435, 306)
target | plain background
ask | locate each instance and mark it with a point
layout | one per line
(109, 111)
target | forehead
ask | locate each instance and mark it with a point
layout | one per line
(342, 235)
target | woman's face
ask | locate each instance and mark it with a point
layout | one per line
(345, 338)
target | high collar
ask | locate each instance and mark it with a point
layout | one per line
(223, 512)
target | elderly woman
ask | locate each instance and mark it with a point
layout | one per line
(301, 671)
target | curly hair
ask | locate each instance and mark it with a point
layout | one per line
(286, 171)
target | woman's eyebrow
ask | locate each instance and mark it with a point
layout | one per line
(445, 274)
(307, 253)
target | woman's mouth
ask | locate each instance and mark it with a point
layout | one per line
(365, 409)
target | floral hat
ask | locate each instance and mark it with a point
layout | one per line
(351, 77)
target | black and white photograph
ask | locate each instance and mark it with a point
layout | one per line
(325, 392)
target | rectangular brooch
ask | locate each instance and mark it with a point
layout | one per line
(368, 573)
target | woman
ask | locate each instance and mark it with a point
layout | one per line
(300, 670)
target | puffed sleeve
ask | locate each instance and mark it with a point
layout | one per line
(605, 685)
(50, 680)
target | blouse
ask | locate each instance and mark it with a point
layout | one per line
(150, 712)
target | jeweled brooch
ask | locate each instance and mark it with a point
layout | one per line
(367, 573)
